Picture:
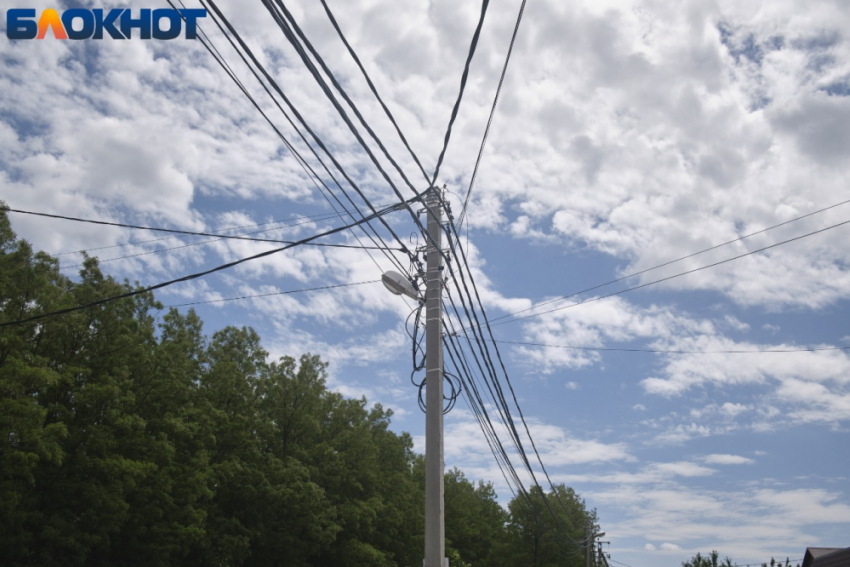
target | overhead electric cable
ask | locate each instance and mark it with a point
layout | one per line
(479, 411)
(464, 369)
(280, 21)
(473, 44)
(462, 262)
(709, 249)
(661, 351)
(287, 24)
(288, 33)
(219, 15)
(204, 273)
(320, 183)
(282, 224)
(674, 276)
(372, 86)
(620, 563)
(778, 563)
(284, 19)
(501, 404)
(490, 118)
(191, 244)
(272, 294)
(193, 233)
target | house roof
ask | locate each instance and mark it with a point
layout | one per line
(827, 557)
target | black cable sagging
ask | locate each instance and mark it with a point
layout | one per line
(194, 233)
(287, 24)
(473, 44)
(490, 118)
(449, 229)
(692, 255)
(372, 87)
(315, 177)
(674, 276)
(281, 224)
(661, 351)
(201, 274)
(289, 292)
(290, 36)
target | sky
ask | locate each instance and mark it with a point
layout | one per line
(627, 134)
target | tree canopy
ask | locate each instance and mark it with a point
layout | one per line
(130, 437)
(713, 560)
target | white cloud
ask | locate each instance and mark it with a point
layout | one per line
(721, 459)
(735, 323)
(465, 446)
(813, 385)
(629, 131)
(733, 409)
(743, 524)
(684, 468)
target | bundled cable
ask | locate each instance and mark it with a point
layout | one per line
(206, 272)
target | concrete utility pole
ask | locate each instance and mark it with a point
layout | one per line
(590, 540)
(435, 528)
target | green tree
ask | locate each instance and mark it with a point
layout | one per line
(475, 523)
(547, 529)
(90, 455)
(265, 509)
(710, 560)
(775, 563)
(129, 437)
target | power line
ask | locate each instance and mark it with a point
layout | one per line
(200, 243)
(490, 118)
(290, 28)
(473, 44)
(272, 294)
(193, 233)
(778, 563)
(315, 178)
(218, 15)
(372, 86)
(281, 19)
(674, 276)
(716, 246)
(206, 272)
(659, 351)
(284, 20)
(482, 345)
(282, 224)
(289, 36)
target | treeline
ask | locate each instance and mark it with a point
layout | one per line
(129, 437)
(713, 560)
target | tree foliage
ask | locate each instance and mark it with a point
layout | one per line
(713, 560)
(548, 529)
(129, 437)
(710, 560)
